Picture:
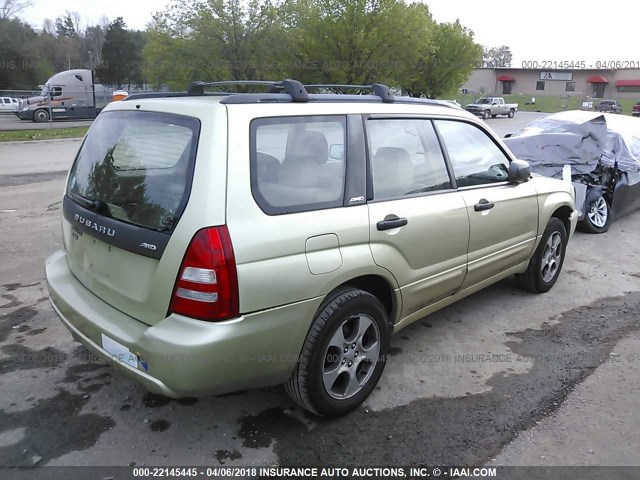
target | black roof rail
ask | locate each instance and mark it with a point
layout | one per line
(292, 87)
(143, 95)
(197, 87)
(378, 89)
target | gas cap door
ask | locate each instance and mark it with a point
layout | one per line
(323, 253)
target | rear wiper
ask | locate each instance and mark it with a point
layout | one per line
(97, 206)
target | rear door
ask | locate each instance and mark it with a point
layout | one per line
(503, 216)
(125, 196)
(418, 224)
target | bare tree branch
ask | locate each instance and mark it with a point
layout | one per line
(9, 8)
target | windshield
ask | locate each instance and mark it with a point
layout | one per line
(136, 167)
(45, 90)
(482, 101)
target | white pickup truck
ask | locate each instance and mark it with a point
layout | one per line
(492, 106)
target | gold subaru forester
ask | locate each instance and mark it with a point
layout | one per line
(218, 241)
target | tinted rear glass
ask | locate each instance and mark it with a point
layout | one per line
(138, 164)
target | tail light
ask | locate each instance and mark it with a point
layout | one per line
(207, 284)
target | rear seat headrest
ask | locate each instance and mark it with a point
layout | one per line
(309, 145)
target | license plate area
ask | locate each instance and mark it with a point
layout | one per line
(119, 352)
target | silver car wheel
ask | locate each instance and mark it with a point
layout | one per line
(598, 212)
(351, 357)
(551, 257)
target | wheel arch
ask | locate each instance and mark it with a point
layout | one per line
(376, 285)
(563, 213)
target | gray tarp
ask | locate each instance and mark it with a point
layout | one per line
(579, 139)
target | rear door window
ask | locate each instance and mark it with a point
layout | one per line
(406, 158)
(137, 166)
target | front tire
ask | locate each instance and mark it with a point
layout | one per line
(486, 114)
(598, 216)
(343, 355)
(545, 265)
(40, 116)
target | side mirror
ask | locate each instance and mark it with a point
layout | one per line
(519, 171)
(494, 103)
(508, 135)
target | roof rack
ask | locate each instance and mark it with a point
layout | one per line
(289, 90)
(292, 87)
(378, 89)
(296, 89)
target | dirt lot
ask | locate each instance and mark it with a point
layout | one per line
(503, 377)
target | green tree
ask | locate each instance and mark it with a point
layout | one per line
(121, 56)
(356, 42)
(315, 41)
(65, 27)
(213, 40)
(18, 57)
(495, 57)
(444, 71)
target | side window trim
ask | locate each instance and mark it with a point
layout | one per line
(369, 194)
(415, 195)
(445, 154)
(356, 171)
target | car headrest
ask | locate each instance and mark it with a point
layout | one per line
(308, 146)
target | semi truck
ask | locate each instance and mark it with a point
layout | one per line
(66, 95)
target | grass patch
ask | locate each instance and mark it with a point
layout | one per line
(26, 135)
(545, 103)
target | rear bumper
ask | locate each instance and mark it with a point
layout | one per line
(179, 356)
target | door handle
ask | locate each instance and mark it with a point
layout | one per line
(482, 205)
(389, 223)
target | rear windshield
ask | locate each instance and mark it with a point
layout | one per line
(137, 167)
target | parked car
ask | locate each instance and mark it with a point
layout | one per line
(217, 242)
(603, 152)
(486, 107)
(610, 106)
(8, 104)
(636, 110)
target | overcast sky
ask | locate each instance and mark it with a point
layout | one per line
(538, 30)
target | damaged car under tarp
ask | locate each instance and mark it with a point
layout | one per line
(603, 153)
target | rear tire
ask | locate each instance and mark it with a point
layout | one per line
(598, 216)
(546, 264)
(40, 116)
(343, 355)
(511, 113)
